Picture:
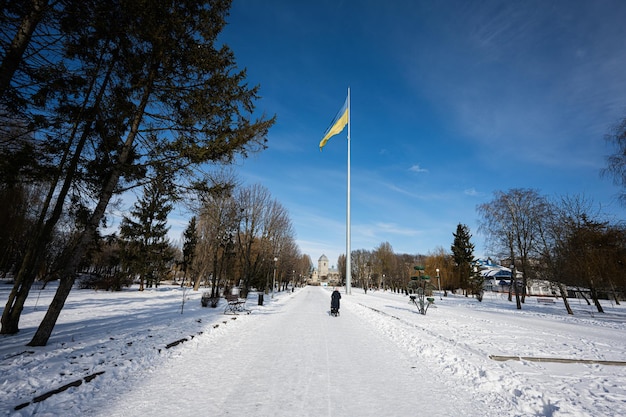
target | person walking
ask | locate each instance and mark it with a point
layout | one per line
(334, 302)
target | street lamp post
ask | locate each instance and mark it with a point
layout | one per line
(274, 281)
(439, 283)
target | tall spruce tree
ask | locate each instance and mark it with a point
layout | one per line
(146, 248)
(463, 254)
(190, 241)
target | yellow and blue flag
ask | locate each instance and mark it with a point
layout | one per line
(340, 121)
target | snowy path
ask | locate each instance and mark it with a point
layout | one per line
(297, 361)
(289, 357)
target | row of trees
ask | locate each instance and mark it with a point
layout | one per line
(565, 242)
(384, 269)
(238, 237)
(97, 98)
(242, 237)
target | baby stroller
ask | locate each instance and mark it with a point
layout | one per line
(334, 303)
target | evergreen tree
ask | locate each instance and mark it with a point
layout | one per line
(190, 241)
(128, 89)
(147, 250)
(463, 254)
(476, 282)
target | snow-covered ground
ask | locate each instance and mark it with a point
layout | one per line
(134, 354)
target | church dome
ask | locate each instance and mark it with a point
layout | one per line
(323, 258)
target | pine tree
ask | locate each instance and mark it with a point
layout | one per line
(190, 241)
(463, 254)
(476, 282)
(147, 249)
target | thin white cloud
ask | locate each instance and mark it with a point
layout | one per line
(397, 189)
(417, 168)
(472, 192)
(395, 229)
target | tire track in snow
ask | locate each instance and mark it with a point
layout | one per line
(451, 341)
(491, 383)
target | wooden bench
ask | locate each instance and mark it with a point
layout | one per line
(545, 300)
(235, 305)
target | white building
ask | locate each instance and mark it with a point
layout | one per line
(325, 274)
(497, 278)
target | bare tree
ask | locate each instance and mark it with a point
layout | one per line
(265, 233)
(404, 269)
(384, 264)
(341, 267)
(550, 238)
(441, 263)
(361, 267)
(590, 252)
(616, 163)
(511, 223)
(217, 225)
(304, 269)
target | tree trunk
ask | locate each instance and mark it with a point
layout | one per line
(613, 292)
(583, 296)
(511, 289)
(563, 290)
(23, 35)
(78, 250)
(15, 303)
(196, 282)
(43, 235)
(596, 302)
(517, 297)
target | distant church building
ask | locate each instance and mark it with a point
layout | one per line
(324, 274)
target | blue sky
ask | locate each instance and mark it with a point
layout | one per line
(450, 102)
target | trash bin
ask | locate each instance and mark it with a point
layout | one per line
(260, 298)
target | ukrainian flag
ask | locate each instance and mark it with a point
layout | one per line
(340, 121)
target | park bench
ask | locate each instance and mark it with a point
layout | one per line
(545, 300)
(235, 305)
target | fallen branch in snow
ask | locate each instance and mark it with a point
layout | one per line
(65, 387)
(26, 352)
(179, 341)
(79, 382)
(557, 360)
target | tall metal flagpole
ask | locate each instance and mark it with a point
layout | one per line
(348, 261)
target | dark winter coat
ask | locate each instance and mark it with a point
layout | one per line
(334, 299)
